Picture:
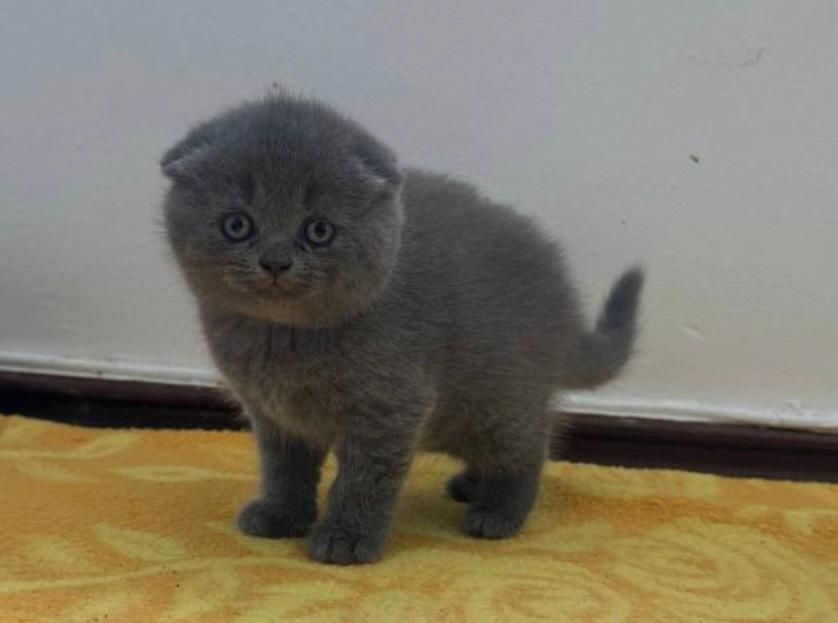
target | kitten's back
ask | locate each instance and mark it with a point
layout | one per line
(501, 288)
(507, 295)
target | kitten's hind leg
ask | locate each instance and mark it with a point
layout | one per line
(290, 473)
(506, 480)
(502, 505)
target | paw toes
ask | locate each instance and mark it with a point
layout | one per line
(334, 545)
(486, 524)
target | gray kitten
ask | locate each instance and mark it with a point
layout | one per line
(354, 305)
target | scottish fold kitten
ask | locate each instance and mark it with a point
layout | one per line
(357, 306)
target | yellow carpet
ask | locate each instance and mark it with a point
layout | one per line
(106, 526)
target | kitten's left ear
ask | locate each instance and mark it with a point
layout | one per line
(379, 166)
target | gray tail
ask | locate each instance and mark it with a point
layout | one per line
(603, 352)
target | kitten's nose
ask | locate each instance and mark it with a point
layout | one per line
(276, 265)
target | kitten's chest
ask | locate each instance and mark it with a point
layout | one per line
(290, 375)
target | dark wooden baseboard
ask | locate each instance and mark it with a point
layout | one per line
(636, 442)
(190, 396)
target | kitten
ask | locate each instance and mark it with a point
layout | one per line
(355, 305)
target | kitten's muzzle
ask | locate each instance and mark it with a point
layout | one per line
(276, 281)
(276, 265)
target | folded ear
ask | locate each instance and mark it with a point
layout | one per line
(379, 166)
(183, 161)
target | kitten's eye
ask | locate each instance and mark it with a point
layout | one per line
(319, 233)
(237, 227)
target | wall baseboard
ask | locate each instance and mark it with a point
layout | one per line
(124, 371)
(732, 449)
(791, 417)
(111, 369)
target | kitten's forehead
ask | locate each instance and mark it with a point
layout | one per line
(294, 180)
(286, 159)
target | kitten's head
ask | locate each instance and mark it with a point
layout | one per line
(284, 210)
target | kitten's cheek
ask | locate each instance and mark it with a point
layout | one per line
(232, 284)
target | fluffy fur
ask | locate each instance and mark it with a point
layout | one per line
(434, 318)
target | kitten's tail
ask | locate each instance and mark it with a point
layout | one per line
(603, 352)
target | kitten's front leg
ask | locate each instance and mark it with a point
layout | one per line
(290, 473)
(372, 467)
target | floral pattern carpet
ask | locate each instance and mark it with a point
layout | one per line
(111, 526)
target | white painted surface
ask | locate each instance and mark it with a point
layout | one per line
(584, 113)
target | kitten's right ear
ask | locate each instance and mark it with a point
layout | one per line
(183, 161)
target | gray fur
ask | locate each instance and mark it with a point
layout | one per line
(436, 319)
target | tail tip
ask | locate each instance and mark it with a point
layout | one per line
(624, 298)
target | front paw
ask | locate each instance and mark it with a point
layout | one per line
(334, 545)
(261, 518)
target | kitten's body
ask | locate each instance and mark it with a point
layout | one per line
(430, 322)
(452, 333)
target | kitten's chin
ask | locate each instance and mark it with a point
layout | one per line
(281, 292)
(299, 311)
(312, 310)
(291, 304)
(279, 309)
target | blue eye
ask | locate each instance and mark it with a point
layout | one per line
(237, 227)
(319, 232)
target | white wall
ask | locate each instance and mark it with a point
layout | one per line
(584, 113)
